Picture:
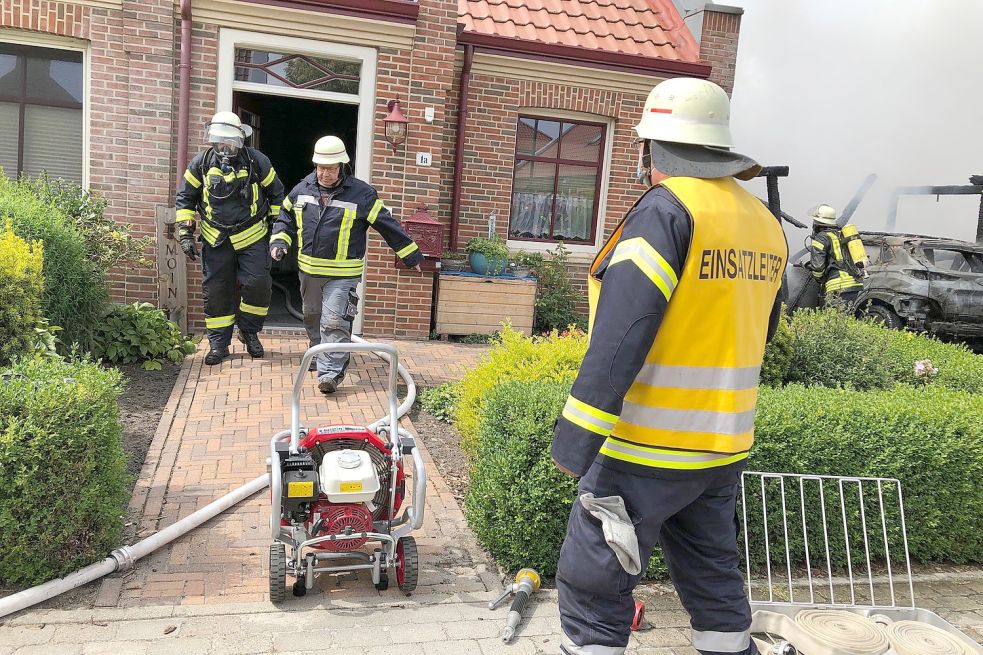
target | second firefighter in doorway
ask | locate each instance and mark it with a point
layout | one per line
(235, 192)
(836, 257)
(326, 218)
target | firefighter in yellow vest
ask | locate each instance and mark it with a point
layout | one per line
(661, 416)
(830, 260)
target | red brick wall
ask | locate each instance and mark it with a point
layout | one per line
(129, 102)
(397, 301)
(718, 44)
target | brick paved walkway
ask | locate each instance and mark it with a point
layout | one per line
(214, 436)
(206, 593)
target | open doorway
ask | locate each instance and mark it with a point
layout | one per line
(285, 130)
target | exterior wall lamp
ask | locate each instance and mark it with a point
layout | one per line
(395, 125)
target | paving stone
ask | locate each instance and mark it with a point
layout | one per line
(455, 647)
(190, 646)
(49, 649)
(116, 648)
(26, 635)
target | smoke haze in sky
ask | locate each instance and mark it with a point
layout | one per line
(837, 89)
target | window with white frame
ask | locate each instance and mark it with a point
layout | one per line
(556, 185)
(41, 103)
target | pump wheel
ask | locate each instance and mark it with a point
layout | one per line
(884, 315)
(408, 564)
(383, 582)
(299, 588)
(278, 572)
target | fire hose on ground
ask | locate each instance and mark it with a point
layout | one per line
(838, 632)
(125, 557)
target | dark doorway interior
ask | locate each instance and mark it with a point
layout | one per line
(285, 129)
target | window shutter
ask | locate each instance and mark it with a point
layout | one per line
(10, 119)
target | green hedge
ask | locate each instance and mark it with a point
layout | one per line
(518, 501)
(76, 290)
(63, 482)
(140, 332)
(515, 357)
(21, 284)
(929, 439)
(833, 349)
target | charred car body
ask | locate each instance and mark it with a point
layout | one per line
(924, 283)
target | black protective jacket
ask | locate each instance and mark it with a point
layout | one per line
(331, 240)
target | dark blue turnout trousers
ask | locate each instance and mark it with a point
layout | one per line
(691, 514)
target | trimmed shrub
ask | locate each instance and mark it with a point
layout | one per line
(556, 299)
(518, 501)
(76, 291)
(63, 483)
(441, 401)
(21, 285)
(515, 357)
(830, 348)
(107, 243)
(140, 332)
(930, 439)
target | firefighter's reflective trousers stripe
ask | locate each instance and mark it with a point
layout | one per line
(693, 519)
(224, 269)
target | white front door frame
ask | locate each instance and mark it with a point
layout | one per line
(230, 39)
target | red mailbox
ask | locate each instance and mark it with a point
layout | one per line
(428, 233)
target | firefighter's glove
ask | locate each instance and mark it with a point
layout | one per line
(617, 527)
(188, 245)
(278, 251)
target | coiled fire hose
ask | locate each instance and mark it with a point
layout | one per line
(837, 632)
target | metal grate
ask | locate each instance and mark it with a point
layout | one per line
(817, 540)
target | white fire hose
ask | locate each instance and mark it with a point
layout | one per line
(837, 632)
(123, 558)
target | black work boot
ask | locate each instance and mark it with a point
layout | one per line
(253, 346)
(216, 355)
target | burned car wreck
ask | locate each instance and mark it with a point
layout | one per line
(924, 283)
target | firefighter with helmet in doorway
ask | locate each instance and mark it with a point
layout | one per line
(660, 419)
(325, 219)
(831, 257)
(235, 193)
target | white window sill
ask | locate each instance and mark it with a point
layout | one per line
(578, 253)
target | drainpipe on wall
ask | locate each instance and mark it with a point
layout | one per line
(462, 125)
(184, 93)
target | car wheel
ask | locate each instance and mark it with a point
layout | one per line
(884, 315)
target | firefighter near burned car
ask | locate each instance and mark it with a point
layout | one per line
(339, 495)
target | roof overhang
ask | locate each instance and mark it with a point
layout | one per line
(503, 45)
(401, 11)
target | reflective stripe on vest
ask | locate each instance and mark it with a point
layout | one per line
(692, 404)
(330, 267)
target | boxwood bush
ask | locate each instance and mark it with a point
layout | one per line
(76, 291)
(930, 439)
(63, 483)
(515, 357)
(21, 284)
(830, 348)
(518, 501)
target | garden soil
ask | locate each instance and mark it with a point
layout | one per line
(444, 445)
(141, 406)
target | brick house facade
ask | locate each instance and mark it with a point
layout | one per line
(413, 51)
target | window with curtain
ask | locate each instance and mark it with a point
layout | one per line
(556, 181)
(40, 111)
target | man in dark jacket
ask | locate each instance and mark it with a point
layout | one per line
(235, 192)
(326, 219)
(660, 419)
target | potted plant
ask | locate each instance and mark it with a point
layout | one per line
(453, 262)
(488, 256)
(523, 264)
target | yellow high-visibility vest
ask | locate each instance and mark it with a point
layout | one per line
(692, 404)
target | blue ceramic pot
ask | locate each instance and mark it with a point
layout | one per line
(484, 266)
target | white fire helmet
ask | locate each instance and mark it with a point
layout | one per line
(227, 133)
(330, 150)
(823, 215)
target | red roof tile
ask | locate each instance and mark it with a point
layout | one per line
(647, 28)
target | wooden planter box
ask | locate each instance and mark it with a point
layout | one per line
(475, 304)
